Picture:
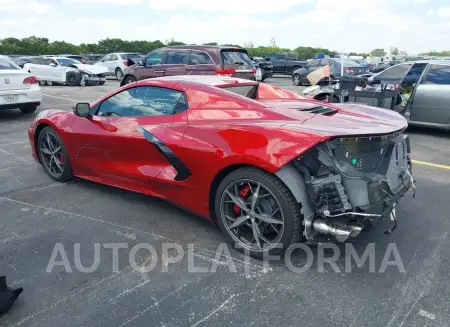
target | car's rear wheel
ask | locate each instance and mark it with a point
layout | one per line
(257, 212)
(53, 155)
(129, 79)
(119, 74)
(29, 108)
(296, 79)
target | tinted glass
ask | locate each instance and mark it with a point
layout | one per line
(315, 62)
(7, 64)
(347, 62)
(155, 58)
(67, 61)
(200, 58)
(177, 57)
(279, 56)
(248, 91)
(394, 73)
(231, 57)
(143, 101)
(292, 56)
(438, 74)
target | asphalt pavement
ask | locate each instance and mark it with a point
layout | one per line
(37, 214)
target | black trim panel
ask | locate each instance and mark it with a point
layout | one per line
(182, 171)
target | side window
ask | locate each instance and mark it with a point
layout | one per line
(107, 58)
(113, 57)
(438, 74)
(280, 56)
(154, 59)
(200, 58)
(292, 56)
(143, 101)
(177, 57)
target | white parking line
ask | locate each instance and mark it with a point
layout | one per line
(14, 143)
(57, 97)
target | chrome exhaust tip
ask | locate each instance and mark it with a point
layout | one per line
(340, 232)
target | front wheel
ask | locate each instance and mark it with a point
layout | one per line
(129, 79)
(53, 155)
(257, 212)
(297, 80)
(73, 79)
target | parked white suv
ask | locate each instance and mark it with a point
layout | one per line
(117, 62)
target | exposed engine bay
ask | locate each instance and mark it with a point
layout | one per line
(349, 181)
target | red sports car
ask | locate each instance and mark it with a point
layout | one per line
(270, 167)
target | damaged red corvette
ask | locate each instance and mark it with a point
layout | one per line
(268, 166)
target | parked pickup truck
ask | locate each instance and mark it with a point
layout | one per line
(285, 62)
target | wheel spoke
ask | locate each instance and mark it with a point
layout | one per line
(55, 151)
(237, 222)
(46, 151)
(238, 201)
(267, 219)
(255, 196)
(50, 164)
(49, 142)
(58, 164)
(256, 234)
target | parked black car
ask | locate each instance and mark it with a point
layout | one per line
(285, 63)
(265, 66)
(351, 68)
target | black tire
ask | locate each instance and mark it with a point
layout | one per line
(291, 210)
(29, 109)
(129, 79)
(297, 80)
(73, 79)
(119, 74)
(66, 174)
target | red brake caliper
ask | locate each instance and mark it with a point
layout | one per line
(243, 193)
(61, 158)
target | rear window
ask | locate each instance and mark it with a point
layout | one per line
(7, 64)
(131, 55)
(200, 58)
(233, 57)
(248, 91)
(347, 63)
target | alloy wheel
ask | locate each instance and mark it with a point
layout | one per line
(252, 215)
(52, 155)
(296, 79)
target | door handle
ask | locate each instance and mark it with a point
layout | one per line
(160, 71)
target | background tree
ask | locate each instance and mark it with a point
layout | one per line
(394, 51)
(377, 52)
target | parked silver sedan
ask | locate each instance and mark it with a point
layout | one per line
(425, 86)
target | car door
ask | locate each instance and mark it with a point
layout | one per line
(200, 63)
(122, 143)
(431, 99)
(113, 63)
(279, 62)
(175, 62)
(152, 65)
(106, 62)
(55, 71)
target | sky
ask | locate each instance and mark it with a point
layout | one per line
(343, 25)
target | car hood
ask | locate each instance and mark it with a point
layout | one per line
(92, 69)
(349, 118)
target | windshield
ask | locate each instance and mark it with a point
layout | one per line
(67, 61)
(7, 64)
(131, 55)
(233, 57)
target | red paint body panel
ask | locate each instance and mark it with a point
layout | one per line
(220, 129)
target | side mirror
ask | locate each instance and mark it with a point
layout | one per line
(141, 63)
(52, 64)
(82, 109)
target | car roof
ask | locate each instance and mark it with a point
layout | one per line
(212, 80)
(203, 47)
